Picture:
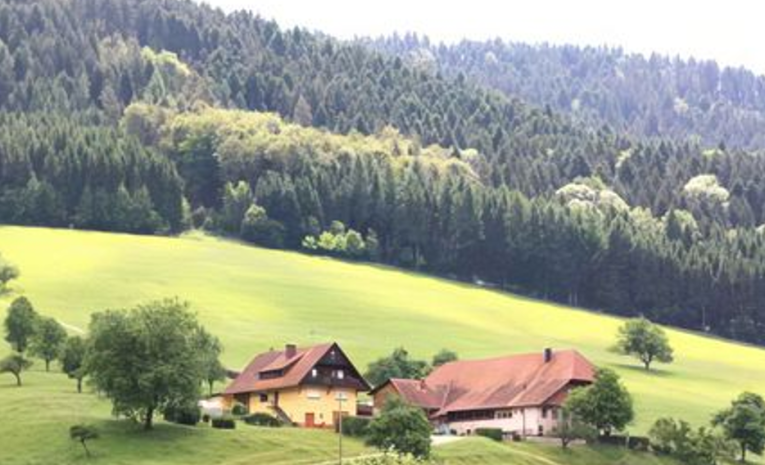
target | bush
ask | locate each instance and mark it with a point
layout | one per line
(223, 423)
(239, 409)
(184, 415)
(491, 433)
(262, 419)
(631, 442)
(355, 426)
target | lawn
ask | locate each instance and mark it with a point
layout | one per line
(37, 416)
(36, 419)
(254, 299)
(485, 452)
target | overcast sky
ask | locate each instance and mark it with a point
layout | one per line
(730, 31)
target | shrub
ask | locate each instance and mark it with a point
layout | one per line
(239, 409)
(262, 419)
(223, 423)
(183, 414)
(355, 426)
(205, 418)
(83, 434)
(491, 433)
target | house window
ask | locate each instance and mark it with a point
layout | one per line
(340, 374)
(314, 395)
(314, 373)
(544, 412)
(264, 398)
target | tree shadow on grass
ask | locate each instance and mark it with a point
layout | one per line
(653, 372)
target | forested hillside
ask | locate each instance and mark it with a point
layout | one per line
(656, 96)
(153, 116)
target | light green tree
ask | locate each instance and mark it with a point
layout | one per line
(48, 340)
(146, 359)
(20, 324)
(646, 341)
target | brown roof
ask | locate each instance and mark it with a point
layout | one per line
(516, 381)
(295, 369)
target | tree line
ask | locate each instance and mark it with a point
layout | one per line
(119, 127)
(647, 96)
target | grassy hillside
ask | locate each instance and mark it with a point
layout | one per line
(254, 298)
(37, 417)
(486, 452)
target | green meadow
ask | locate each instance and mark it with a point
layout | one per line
(255, 298)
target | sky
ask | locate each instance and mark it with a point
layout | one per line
(731, 31)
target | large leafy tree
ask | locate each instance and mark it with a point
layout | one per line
(402, 428)
(744, 423)
(147, 358)
(73, 359)
(396, 365)
(20, 324)
(646, 341)
(48, 340)
(606, 404)
(15, 364)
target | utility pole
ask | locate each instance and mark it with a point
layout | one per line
(340, 429)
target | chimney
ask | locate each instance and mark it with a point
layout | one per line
(290, 350)
(548, 354)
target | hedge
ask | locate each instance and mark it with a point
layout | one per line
(184, 415)
(262, 419)
(223, 423)
(355, 426)
(491, 433)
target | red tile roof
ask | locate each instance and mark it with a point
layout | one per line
(516, 381)
(295, 369)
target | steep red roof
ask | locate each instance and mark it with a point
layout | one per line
(291, 371)
(516, 381)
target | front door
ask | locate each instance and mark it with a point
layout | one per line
(310, 420)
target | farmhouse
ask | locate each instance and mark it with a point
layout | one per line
(521, 394)
(310, 387)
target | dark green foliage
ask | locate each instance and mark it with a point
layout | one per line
(223, 423)
(605, 405)
(494, 434)
(444, 356)
(146, 360)
(8, 273)
(644, 340)
(184, 414)
(572, 428)
(647, 96)
(20, 324)
(61, 171)
(264, 419)
(15, 364)
(402, 429)
(239, 409)
(89, 91)
(48, 340)
(356, 427)
(83, 434)
(744, 423)
(396, 365)
(677, 439)
(73, 359)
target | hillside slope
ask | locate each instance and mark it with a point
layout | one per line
(255, 298)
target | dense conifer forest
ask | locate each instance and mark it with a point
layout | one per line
(654, 96)
(155, 116)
